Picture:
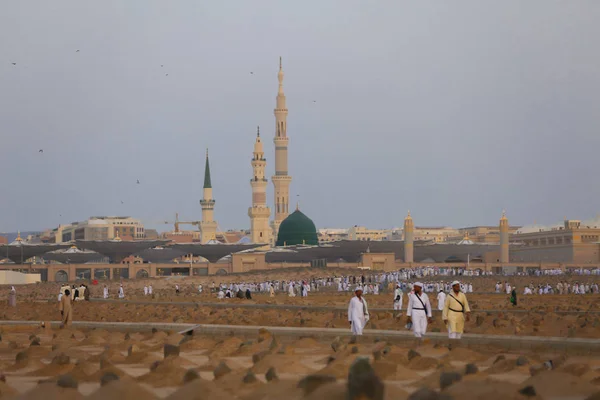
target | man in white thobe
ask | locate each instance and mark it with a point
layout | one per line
(145, 290)
(121, 292)
(358, 312)
(441, 298)
(150, 290)
(291, 290)
(105, 292)
(419, 310)
(398, 298)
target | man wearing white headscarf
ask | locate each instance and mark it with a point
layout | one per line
(441, 298)
(12, 297)
(358, 312)
(121, 292)
(419, 310)
(455, 310)
(398, 298)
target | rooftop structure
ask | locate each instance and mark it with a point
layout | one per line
(117, 250)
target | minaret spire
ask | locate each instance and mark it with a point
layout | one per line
(281, 179)
(207, 183)
(259, 213)
(208, 225)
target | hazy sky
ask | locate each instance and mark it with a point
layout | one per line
(452, 109)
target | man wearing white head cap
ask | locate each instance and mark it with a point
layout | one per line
(398, 298)
(455, 310)
(358, 312)
(419, 310)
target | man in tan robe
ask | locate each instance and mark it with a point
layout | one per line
(456, 310)
(66, 311)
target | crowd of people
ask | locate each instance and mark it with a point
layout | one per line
(453, 304)
(562, 287)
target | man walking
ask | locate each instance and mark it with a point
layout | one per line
(358, 312)
(456, 310)
(398, 298)
(419, 310)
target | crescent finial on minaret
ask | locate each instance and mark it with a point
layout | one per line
(280, 67)
(258, 131)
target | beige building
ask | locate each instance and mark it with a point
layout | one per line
(208, 225)
(437, 234)
(332, 235)
(573, 242)
(365, 234)
(484, 234)
(259, 213)
(281, 179)
(98, 228)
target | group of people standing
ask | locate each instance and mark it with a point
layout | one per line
(454, 306)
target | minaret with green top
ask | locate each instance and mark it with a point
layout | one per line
(208, 225)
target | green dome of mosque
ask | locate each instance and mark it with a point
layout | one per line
(297, 228)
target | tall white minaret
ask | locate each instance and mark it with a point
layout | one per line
(208, 225)
(504, 241)
(281, 179)
(259, 213)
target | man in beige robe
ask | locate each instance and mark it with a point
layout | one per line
(456, 311)
(66, 310)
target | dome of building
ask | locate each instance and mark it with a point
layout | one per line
(296, 229)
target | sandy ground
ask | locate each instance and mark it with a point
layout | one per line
(45, 363)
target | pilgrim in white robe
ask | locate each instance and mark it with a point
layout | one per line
(358, 314)
(441, 298)
(398, 299)
(105, 292)
(418, 314)
(121, 292)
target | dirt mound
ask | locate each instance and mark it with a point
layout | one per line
(121, 389)
(307, 343)
(423, 363)
(560, 384)
(485, 390)
(465, 355)
(165, 373)
(84, 370)
(276, 390)
(432, 380)
(6, 391)
(94, 340)
(282, 363)
(50, 390)
(198, 344)
(388, 370)
(95, 377)
(226, 347)
(199, 389)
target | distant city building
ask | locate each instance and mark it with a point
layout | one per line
(332, 235)
(97, 228)
(572, 242)
(485, 234)
(365, 234)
